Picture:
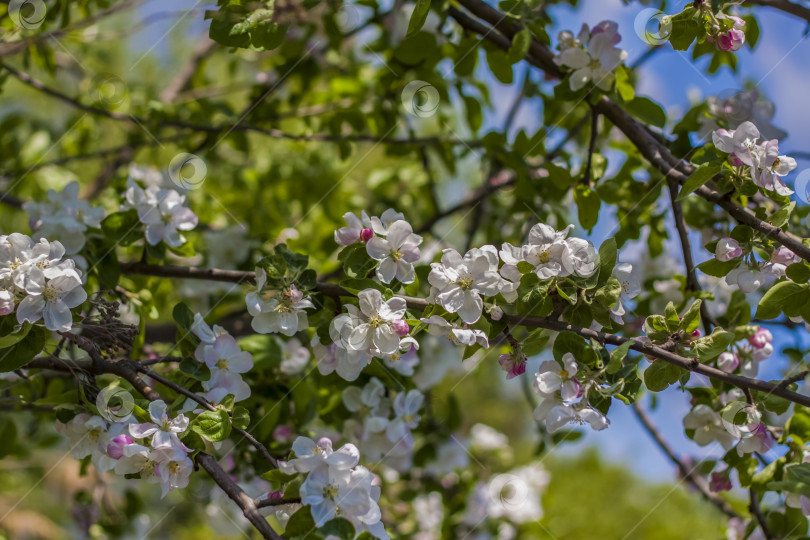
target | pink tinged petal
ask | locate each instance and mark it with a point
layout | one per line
(157, 411)
(241, 362)
(405, 271)
(347, 236)
(387, 270)
(385, 339)
(30, 309)
(470, 312)
(378, 248)
(398, 232)
(142, 431)
(154, 233)
(57, 317)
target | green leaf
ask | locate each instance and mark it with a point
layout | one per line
(660, 375)
(122, 228)
(300, 523)
(338, 527)
(500, 66)
(418, 17)
(214, 426)
(712, 345)
(716, 268)
(525, 267)
(23, 351)
(700, 176)
(684, 32)
(774, 300)
(617, 357)
(647, 111)
(359, 264)
(691, 319)
(241, 417)
(183, 316)
(15, 336)
(588, 204)
(607, 259)
(195, 369)
(798, 272)
(655, 326)
(623, 85)
(520, 46)
(673, 320)
(781, 217)
(609, 293)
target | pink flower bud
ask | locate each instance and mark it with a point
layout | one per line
(727, 249)
(281, 433)
(366, 235)
(760, 338)
(6, 302)
(719, 482)
(695, 333)
(400, 327)
(727, 362)
(513, 367)
(496, 313)
(325, 443)
(734, 160)
(785, 256)
(731, 40)
(116, 448)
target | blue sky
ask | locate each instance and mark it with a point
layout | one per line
(777, 66)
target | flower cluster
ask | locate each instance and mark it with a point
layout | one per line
(382, 425)
(710, 426)
(372, 328)
(64, 217)
(551, 253)
(747, 354)
(226, 361)
(559, 388)
(751, 274)
(733, 38)
(592, 55)
(37, 282)
(162, 211)
(282, 312)
(336, 486)
(389, 240)
(123, 448)
(764, 163)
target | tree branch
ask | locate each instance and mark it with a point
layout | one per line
(688, 474)
(420, 304)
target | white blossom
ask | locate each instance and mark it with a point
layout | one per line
(283, 313)
(294, 357)
(555, 415)
(708, 426)
(592, 55)
(162, 429)
(550, 379)
(64, 217)
(162, 211)
(439, 326)
(461, 281)
(396, 252)
(369, 324)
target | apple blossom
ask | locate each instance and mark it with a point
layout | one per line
(51, 299)
(283, 313)
(784, 256)
(727, 361)
(708, 427)
(371, 322)
(439, 326)
(769, 167)
(592, 56)
(747, 279)
(461, 281)
(757, 439)
(334, 358)
(556, 414)
(734, 38)
(727, 249)
(294, 357)
(173, 469)
(406, 415)
(162, 211)
(226, 362)
(355, 227)
(514, 364)
(115, 449)
(396, 252)
(405, 359)
(742, 142)
(550, 379)
(630, 282)
(64, 217)
(760, 338)
(163, 430)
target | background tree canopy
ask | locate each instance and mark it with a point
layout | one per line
(404, 269)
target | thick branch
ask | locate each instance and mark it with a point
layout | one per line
(688, 474)
(420, 304)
